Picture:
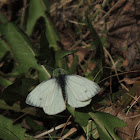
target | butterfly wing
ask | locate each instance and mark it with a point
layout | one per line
(81, 88)
(58, 104)
(42, 95)
(47, 95)
(73, 101)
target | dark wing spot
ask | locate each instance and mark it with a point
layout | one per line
(86, 91)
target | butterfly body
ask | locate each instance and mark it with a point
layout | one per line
(61, 80)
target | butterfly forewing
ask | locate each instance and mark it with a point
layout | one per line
(43, 94)
(82, 88)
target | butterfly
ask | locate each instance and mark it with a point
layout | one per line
(53, 94)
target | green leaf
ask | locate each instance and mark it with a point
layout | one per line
(35, 127)
(106, 124)
(96, 40)
(70, 109)
(127, 98)
(8, 131)
(61, 63)
(4, 82)
(17, 91)
(17, 108)
(91, 129)
(51, 34)
(81, 118)
(2, 19)
(3, 49)
(62, 53)
(35, 12)
(22, 50)
(46, 54)
(74, 65)
(99, 55)
(38, 10)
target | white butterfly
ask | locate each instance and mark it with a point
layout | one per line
(51, 95)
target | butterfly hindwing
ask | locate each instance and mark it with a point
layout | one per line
(72, 101)
(58, 104)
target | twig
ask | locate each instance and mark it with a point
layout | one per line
(71, 131)
(46, 71)
(23, 13)
(137, 126)
(20, 117)
(114, 66)
(132, 104)
(51, 130)
(122, 73)
(107, 14)
(133, 116)
(65, 125)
